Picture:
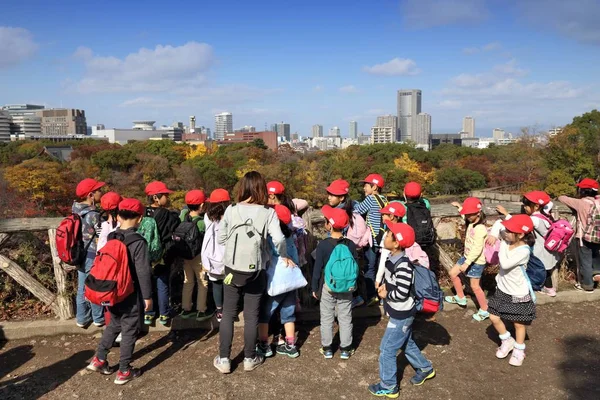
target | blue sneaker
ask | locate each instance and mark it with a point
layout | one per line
(377, 390)
(346, 353)
(327, 352)
(420, 377)
(264, 349)
(357, 301)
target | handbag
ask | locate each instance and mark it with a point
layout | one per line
(283, 279)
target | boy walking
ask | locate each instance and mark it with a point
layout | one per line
(399, 303)
(125, 316)
(332, 288)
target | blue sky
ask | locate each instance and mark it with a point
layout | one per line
(507, 63)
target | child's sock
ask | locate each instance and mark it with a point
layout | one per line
(520, 346)
(505, 336)
(264, 340)
(290, 341)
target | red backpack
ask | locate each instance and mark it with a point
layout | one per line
(109, 281)
(69, 240)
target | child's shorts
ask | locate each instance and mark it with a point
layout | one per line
(286, 303)
(474, 271)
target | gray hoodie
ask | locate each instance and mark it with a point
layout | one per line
(90, 218)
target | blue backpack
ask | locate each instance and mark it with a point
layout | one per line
(536, 272)
(429, 297)
(341, 271)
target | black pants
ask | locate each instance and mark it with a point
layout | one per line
(252, 293)
(124, 319)
(548, 282)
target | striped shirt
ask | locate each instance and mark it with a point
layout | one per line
(399, 302)
(370, 207)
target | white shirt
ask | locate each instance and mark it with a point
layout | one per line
(511, 278)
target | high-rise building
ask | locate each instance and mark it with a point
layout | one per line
(223, 125)
(385, 130)
(335, 131)
(423, 131)
(469, 126)
(5, 121)
(283, 131)
(62, 121)
(353, 133)
(192, 124)
(498, 134)
(28, 125)
(317, 131)
(409, 106)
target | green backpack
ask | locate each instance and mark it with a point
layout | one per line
(341, 271)
(149, 230)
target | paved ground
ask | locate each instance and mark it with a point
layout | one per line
(562, 363)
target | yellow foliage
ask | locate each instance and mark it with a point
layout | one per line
(42, 181)
(414, 170)
(196, 151)
(252, 165)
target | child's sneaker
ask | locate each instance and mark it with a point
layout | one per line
(377, 390)
(506, 347)
(289, 350)
(148, 319)
(461, 301)
(357, 301)
(250, 364)
(164, 319)
(264, 349)
(219, 314)
(346, 353)
(99, 324)
(99, 366)
(481, 315)
(516, 360)
(187, 314)
(222, 364)
(327, 352)
(203, 316)
(420, 377)
(119, 339)
(124, 377)
(549, 291)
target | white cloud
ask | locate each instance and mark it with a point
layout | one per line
(162, 69)
(420, 14)
(394, 67)
(16, 45)
(348, 89)
(485, 48)
(510, 68)
(491, 46)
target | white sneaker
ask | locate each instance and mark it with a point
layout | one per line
(516, 360)
(549, 291)
(222, 364)
(506, 347)
(250, 364)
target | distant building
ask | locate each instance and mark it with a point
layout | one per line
(327, 143)
(5, 121)
(364, 139)
(246, 128)
(353, 132)
(144, 125)
(283, 131)
(28, 125)
(175, 133)
(498, 134)
(409, 106)
(469, 126)
(505, 141)
(63, 121)
(295, 137)
(423, 131)
(335, 131)
(142, 130)
(470, 142)
(385, 130)
(22, 109)
(61, 153)
(192, 124)
(223, 125)
(317, 131)
(270, 138)
(554, 131)
(195, 137)
(445, 138)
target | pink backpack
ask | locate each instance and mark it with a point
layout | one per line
(559, 234)
(359, 233)
(491, 253)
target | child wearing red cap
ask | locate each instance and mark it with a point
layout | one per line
(537, 205)
(473, 262)
(418, 214)
(399, 304)
(587, 207)
(110, 205)
(514, 299)
(192, 269)
(277, 195)
(336, 220)
(89, 194)
(125, 316)
(370, 206)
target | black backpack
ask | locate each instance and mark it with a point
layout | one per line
(419, 218)
(187, 239)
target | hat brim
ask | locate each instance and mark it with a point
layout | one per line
(97, 186)
(469, 212)
(333, 192)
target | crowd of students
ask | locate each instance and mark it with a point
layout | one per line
(246, 245)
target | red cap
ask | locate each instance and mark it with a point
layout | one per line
(337, 217)
(339, 187)
(283, 213)
(588, 183)
(195, 197)
(404, 233)
(538, 197)
(219, 195)
(275, 187)
(394, 208)
(375, 179)
(472, 205)
(88, 186)
(110, 201)
(413, 190)
(520, 223)
(132, 205)
(157, 187)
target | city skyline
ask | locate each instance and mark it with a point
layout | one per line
(460, 61)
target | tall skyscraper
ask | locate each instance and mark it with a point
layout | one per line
(498, 134)
(469, 126)
(317, 131)
(223, 125)
(283, 130)
(409, 106)
(335, 131)
(423, 129)
(385, 130)
(353, 133)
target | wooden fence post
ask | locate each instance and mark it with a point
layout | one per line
(63, 302)
(27, 281)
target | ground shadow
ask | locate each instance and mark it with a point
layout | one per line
(580, 367)
(37, 383)
(492, 334)
(14, 358)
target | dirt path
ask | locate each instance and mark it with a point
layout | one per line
(562, 363)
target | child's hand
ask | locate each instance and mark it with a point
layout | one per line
(501, 210)
(463, 267)
(456, 204)
(148, 305)
(491, 240)
(382, 291)
(289, 262)
(315, 296)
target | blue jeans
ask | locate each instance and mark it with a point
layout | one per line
(474, 271)
(398, 335)
(287, 304)
(161, 283)
(371, 271)
(87, 311)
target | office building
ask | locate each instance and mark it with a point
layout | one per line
(270, 138)
(28, 125)
(409, 106)
(423, 131)
(498, 134)
(283, 131)
(469, 126)
(335, 131)
(223, 125)
(174, 133)
(317, 131)
(554, 131)
(5, 121)
(62, 121)
(385, 129)
(445, 138)
(144, 125)
(192, 128)
(353, 132)
(246, 128)
(22, 109)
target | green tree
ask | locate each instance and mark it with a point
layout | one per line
(455, 180)
(260, 144)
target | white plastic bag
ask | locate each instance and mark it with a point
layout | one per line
(282, 279)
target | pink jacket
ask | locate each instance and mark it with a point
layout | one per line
(583, 207)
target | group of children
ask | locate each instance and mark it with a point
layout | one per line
(392, 237)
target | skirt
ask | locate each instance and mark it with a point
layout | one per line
(502, 305)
